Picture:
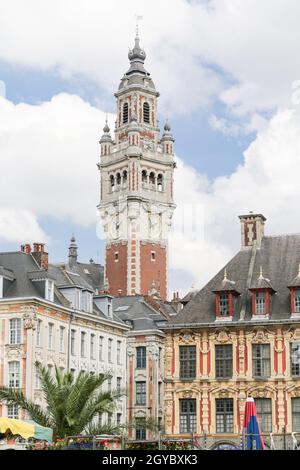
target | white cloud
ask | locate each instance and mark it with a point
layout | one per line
(190, 46)
(19, 226)
(48, 168)
(267, 182)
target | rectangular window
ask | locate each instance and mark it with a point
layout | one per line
(295, 359)
(140, 429)
(116, 256)
(14, 374)
(119, 381)
(141, 357)
(82, 344)
(224, 305)
(140, 393)
(118, 352)
(110, 349)
(15, 331)
(159, 393)
(261, 363)
(38, 333)
(109, 419)
(61, 339)
(92, 348)
(101, 348)
(264, 413)
(296, 414)
(37, 380)
(260, 303)
(153, 257)
(119, 418)
(297, 301)
(224, 415)
(49, 290)
(73, 335)
(187, 358)
(50, 335)
(109, 384)
(13, 411)
(223, 361)
(187, 416)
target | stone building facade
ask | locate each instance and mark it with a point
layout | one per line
(55, 315)
(239, 336)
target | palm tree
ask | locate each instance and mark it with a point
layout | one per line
(71, 404)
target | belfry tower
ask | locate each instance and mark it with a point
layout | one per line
(136, 201)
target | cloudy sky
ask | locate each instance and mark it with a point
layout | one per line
(229, 76)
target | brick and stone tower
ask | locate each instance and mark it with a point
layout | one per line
(136, 201)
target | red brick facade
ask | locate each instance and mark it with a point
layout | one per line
(116, 268)
(153, 269)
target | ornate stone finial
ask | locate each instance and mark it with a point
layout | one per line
(261, 273)
(106, 128)
(167, 126)
(225, 275)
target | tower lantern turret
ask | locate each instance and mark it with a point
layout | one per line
(106, 141)
(167, 139)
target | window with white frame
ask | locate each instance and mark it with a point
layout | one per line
(118, 352)
(73, 338)
(82, 344)
(49, 290)
(61, 339)
(109, 384)
(92, 346)
(13, 411)
(119, 381)
(14, 374)
(38, 333)
(37, 379)
(15, 331)
(50, 335)
(297, 301)
(101, 339)
(260, 303)
(109, 351)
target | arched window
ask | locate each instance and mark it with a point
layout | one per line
(146, 112)
(144, 176)
(112, 183)
(124, 178)
(152, 178)
(118, 179)
(160, 182)
(125, 113)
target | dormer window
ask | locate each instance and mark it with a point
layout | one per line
(49, 290)
(225, 293)
(1, 287)
(260, 303)
(295, 295)
(224, 310)
(261, 296)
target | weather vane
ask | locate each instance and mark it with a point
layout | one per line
(138, 18)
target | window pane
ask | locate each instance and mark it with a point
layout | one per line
(187, 357)
(223, 361)
(224, 415)
(187, 416)
(296, 414)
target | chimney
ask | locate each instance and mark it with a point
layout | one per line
(252, 230)
(26, 248)
(40, 255)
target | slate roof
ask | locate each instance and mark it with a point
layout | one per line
(279, 257)
(134, 309)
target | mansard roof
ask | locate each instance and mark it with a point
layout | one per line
(226, 285)
(279, 256)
